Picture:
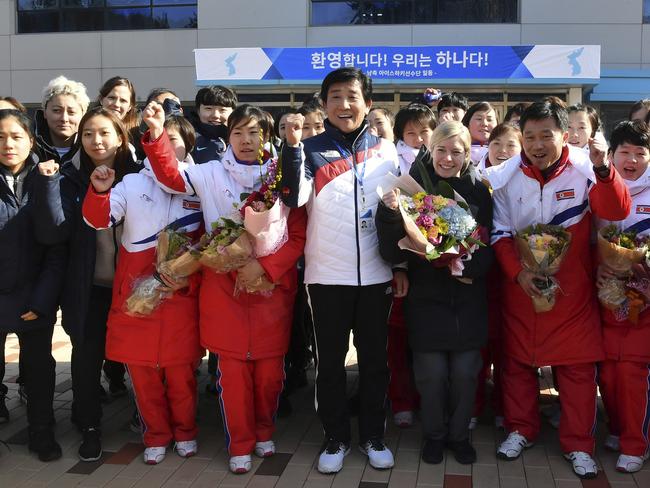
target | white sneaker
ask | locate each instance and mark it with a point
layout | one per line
(154, 455)
(611, 443)
(513, 446)
(378, 454)
(403, 419)
(186, 448)
(265, 449)
(630, 464)
(331, 459)
(473, 422)
(583, 464)
(499, 421)
(241, 464)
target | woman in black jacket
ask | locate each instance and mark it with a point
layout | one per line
(446, 316)
(31, 273)
(87, 289)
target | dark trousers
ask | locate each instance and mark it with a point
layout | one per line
(446, 381)
(38, 375)
(336, 311)
(3, 387)
(87, 358)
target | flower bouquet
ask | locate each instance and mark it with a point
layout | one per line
(618, 250)
(174, 258)
(542, 249)
(226, 247)
(437, 221)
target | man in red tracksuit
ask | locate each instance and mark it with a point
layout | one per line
(549, 183)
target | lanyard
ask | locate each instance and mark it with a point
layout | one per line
(359, 176)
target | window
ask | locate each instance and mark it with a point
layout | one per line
(646, 11)
(94, 15)
(338, 12)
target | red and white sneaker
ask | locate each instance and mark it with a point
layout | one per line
(630, 464)
(265, 449)
(186, 448)
(154, 455)
(241, 464)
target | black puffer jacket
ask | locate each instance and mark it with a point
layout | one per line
(31, 272)
(442, 313)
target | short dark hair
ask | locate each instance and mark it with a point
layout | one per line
(516, 109)
(23, 120)
(475, 108)
(546, 109)
(181, 125)
(312, 106)
(452, 99)
(344, 75)
(156, 92)
(216, 95)
(244, 113)
(638, 105)
(634, 132)
(592, 115)
(503, 129)
(417, 113)
(387, 113)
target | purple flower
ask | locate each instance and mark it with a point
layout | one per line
(424, 220)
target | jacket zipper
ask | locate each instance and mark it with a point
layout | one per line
(353, 156)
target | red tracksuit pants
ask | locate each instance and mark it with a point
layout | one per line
(625, 387)
(166, 400)
(578, 418)
(249, 394)
(402, 392)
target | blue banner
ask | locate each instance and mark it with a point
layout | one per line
(398, 62)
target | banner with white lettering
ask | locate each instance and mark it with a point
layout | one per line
(395, 63)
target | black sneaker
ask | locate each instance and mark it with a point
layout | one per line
(433, 451)
(4, 413)
(42, 442)
(463, 451)
(91, 446)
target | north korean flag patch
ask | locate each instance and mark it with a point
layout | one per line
(191, 205)
(565, 194)
(643, 209)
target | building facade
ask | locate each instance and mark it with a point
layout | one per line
(96, 49)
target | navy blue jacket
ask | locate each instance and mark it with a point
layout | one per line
(210, 142)
(31, 272)
(68, 225)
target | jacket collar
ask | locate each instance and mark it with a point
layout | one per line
(340, 138)
(248, 176)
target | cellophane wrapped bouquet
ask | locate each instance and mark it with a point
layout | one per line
(174, 258)
(438, 223)
(226, 247)
(624, 252)
(542, 249)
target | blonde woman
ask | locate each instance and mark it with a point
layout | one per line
(63, 105)
(446, 317)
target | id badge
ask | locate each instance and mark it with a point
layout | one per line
(366, 221)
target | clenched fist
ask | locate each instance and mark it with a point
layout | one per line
(48, 168)
(293, 128)
(102, 178)
(154, 116)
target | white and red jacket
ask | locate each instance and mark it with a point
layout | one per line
(170, 335)
(625, 341)
(478, 152)
(570, 332)
(245, 326)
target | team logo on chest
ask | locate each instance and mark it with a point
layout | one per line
(190, 205)
(643, 209)
(565, 194)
